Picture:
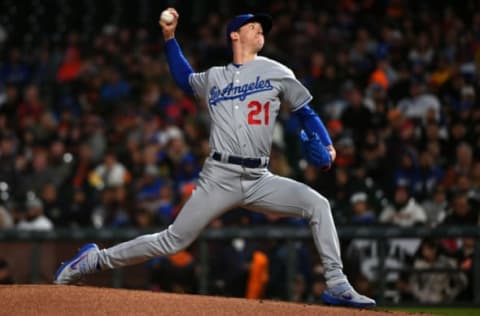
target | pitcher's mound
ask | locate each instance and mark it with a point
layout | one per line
(82, 300)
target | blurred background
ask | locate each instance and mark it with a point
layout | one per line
(98, 144)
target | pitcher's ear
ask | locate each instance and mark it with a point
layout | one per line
(234, 36)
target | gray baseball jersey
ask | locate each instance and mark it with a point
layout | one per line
(243, 103)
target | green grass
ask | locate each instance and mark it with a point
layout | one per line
(449, 311)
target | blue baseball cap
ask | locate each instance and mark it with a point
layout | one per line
(240, 20)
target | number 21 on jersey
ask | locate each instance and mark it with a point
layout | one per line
(259, 114)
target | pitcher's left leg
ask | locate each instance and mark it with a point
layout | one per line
(288, 197)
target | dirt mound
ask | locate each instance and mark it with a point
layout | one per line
(83, 300)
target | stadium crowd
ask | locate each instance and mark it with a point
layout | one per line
(94, 133)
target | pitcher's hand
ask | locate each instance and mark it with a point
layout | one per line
(168, 29)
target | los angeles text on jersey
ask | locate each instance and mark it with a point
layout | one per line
(230, 91)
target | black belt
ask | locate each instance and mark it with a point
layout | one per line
(245, 162)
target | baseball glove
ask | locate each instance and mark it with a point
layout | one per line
(314, 151)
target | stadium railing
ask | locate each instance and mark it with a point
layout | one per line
(290, 235)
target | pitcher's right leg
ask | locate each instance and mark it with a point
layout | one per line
(208, 201)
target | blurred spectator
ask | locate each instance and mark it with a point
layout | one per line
(361, 214)
(278, 256)
(34, 217)
(474, 189)
(93, 134)
(419, 103)
(400, 88)
(379, 103)
(464, 256)
(356, 117)
(40, 173)
(175, 273)
(115, 87)
(10, 100)
(316, 179)
(111, 212)
(149, 183)
(326, 86)
(405, 211)
(235, 258)
(5, 273)
(31, 110)
(143, 219)
(433, 141)
(299, 289)
(407, 173)
(52, 204)
(383, 74)
(340, 192)
(83, 164)
(8, 151)
(459, 136)
(72, 65)
(463, 185)
(435, 287)
(44, 70)
(436, 207)
(346, 152)
(373, 158)
(258, 275)
(462, 213)
(3, 95)
(180, 107)
(422, 52)
(362, 261)
(186, 189)
(79, 211)
(430, 175)
(317, 288)
(6, 220)
(164, 207)
(403, 289)
(177, 157)
(462, 165)
(335, 129)
(60, 161)
(15, 70)
(109, 174)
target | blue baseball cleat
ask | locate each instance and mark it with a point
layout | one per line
(343, 294)
(85, 261)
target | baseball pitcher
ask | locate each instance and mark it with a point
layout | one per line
(243, 100)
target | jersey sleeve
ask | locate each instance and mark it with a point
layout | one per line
(294, 92)
(198, 82)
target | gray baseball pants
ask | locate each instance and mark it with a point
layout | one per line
(224, 186)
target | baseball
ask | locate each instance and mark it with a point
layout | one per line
(166, 17)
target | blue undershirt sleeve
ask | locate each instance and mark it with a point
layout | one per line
(312, 123)
(179, 66)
